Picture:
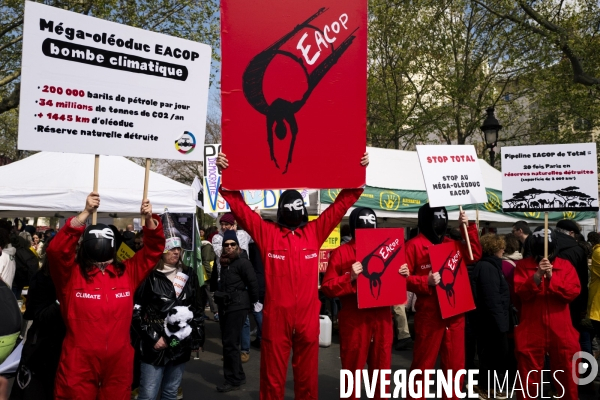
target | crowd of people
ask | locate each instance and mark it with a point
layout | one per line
(101, 326)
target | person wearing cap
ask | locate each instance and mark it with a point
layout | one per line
(434, 335)
(163, 355)
(290, 251)
(366, 335)
(95, 292)
(238, 292)
(571, 250)
(545, 287)
(227, 223)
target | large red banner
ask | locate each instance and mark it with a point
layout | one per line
(454, 291)
(294, 93)
(381, 252)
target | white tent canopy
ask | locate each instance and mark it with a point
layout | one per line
(401, 170)
(57, 184)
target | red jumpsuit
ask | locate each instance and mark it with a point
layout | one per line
(97, 357)
(291, 309)
(366, 335)
(434, 335)
(545, 326)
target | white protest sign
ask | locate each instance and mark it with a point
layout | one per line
(452, 175)
(554, 177)
(94, 86)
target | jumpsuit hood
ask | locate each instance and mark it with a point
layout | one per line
(99, 242)
(433, 222)
(361, 218)
(291, 211)
(536, 244)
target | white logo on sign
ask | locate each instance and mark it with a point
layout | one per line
(297, 205)
(440, 214)
(368, 219)
(541, 234)
(106, 233)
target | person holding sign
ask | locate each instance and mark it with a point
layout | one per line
(167, 317)
(546, 286)
(290, 251)
(366, 335)
(434, 334)
(95, 292)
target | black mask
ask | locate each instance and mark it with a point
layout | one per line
(361, 218)
(433, 222)
(99, 242)
(291, 211)
(536, 244)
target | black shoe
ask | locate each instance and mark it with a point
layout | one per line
(227, 387)
(255, 343)
(404, 344)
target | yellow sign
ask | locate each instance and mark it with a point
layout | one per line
(333, 240)
(124, 252)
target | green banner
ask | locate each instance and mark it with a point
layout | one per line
(409, 201)
(193, 258)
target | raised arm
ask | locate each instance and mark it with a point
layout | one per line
(332, 216)
(251, 221)
(62, 249)
(154, 244)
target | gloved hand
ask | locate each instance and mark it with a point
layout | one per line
(258, 306)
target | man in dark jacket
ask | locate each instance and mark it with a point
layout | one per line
(239, 292)
(570, 250)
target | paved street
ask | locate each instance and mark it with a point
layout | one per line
(202, 376)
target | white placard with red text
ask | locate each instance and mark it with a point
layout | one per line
(98, 87)
(452, 175)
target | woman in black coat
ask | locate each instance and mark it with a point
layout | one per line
(169, 325)
(239, 291)
(492, 299)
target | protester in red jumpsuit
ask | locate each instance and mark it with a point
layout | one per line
(96, 301)
(290, 253)
(545, 288)
(435, 335)
(366, 335)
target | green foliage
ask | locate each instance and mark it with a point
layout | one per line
(435, 66)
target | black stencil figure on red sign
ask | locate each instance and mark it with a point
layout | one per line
(281, 113)
(448, 274)
(375, 277)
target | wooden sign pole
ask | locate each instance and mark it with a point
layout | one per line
(146, 179)
(546, 234)
(96, 173)
(467, 237)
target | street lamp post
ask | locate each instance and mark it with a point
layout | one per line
(490, 129)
